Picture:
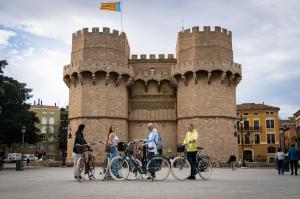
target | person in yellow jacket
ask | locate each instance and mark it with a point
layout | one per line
(190, 141)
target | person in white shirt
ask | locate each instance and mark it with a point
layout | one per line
(279, 157)
(112, 140)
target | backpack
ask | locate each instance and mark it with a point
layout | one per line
(158, 144)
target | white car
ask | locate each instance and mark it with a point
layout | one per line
(31, 157)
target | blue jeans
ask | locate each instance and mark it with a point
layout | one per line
(151, 166)
(114, 167)
(280, 164)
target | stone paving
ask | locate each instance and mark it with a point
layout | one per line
(44, 183)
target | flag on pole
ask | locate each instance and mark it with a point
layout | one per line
(113, 6)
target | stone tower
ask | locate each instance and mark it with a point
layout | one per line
(97, 79)
(206, 80)
(108, 87)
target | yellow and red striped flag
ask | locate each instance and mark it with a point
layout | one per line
(112, 6)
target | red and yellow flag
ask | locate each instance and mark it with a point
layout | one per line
(113, 6)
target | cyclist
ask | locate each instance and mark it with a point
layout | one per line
(190, 141)
(151, 143)
(79, 140)
(112, 141)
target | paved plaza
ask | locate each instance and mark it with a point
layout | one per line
(57, 183)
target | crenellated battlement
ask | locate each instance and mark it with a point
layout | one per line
(209, 66)
(95, 66)
(152, 58)
(205, 30)
(96, 30)
(205, 46)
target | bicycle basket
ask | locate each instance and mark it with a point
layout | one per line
(131, 148)
(180, 148)
(122, 146)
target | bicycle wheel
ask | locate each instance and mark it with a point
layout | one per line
(119, 168)
(180, 168)
(103, 169)
(91, 168)
(159, 168)
(80, 168)
(134, 170)
(205, 168)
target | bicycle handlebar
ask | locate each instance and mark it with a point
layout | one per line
(135, 141)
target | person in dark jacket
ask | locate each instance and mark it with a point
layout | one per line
(293, 155)
(232, 160)
(79, 140)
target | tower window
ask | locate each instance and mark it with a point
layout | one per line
(152, 71)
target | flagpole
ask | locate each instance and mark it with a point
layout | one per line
(121, 15)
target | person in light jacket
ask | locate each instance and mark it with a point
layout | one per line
(150, 142)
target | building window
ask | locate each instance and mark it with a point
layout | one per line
(270, 124)
(245, 113)
(271, 138)
(255, 113)
(256, 138)
(247, 138)
(42, 146)
(256, 125)
(246, 125)
(44, 129)
(44, 120)
(51, 147)
(152, 71)
(271, 113)
(271, 149)
(51, 129)
(51, 120)
(239, 139)
(267, 113)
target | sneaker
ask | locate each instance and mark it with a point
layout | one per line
(292, 173)
(151, 177)
(192, 178)
(296, 174)
(118, 176)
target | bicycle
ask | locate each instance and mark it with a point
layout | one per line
(86, 163)
(181, 167)
(157, 168)
(104, 166)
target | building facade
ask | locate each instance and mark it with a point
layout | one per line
(297, 124)
(107, 86)
(288, 133)
(49, 117)
(258, 137)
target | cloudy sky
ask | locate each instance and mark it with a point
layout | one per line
(35, 38)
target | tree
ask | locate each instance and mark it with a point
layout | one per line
(63, 130)
(15, 111)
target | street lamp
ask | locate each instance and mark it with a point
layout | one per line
(23, 130)
(241, 123)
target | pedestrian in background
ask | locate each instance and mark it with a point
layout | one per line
(279, 158)
(294, 156)
(231, 161)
